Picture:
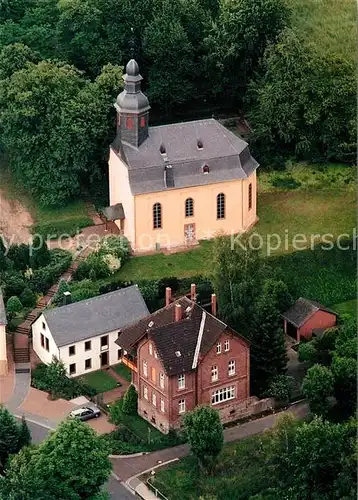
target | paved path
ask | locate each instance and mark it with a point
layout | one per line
(126, 468)
(21, 389)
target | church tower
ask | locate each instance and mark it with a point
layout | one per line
(3, 355)
(132, 109)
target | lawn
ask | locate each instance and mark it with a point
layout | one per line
(284, 213)
(100, 381)
(330, 25)
(348, 307)
(123, 371)
(241, 473)
(141, 428)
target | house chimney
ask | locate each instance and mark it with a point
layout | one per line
(178, 312)
(213, 304)
(193, 292)
(67, 299)
(168, 295)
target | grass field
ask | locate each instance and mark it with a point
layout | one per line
(241, 472)
(330, 25)
(349, 307)
(100, 381)
(123, 371)
(285, 213)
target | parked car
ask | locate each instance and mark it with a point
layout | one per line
(85, 413)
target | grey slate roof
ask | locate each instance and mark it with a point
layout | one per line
(99, 315)
(227, 156)
(3, 320)
(114, 212)
(303, 309)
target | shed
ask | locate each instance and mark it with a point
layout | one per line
(305, 316)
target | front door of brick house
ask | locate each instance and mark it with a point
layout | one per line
(189, 233)
(104, 359)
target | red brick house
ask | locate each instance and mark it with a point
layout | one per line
(305, 316)
(182, 356)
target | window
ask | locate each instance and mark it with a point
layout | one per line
(250, 196)
(72, 368)
(155, 354)
(130, 123)
(72, 350)
(226, 345)
(214, 373)
(150, 349)
(222, 395)
(200, 144)
(145, 368)
(161, 380)
(153, 374)
(145, 392)
(104, 342)
(142, 121)
(220, 206)
(162, 405)
(88, 345)
(182, 406)
(181, 381)
(154, 399)
(218, 348)
(47, 344)
(189, 207)
(42, 340)
(88, 363)
(119, 353)
(43, 325)
(232, 367)
(206, 169)
(157, 216)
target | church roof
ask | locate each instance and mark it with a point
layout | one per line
(189, 147)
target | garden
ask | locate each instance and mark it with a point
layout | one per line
(27, 272)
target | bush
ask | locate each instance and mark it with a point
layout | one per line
(13, 305)
(284, 182)
(42, 279)
(55, 229)
(130, 401)
(28, 298)
(115, 412)
(19, 256)
(53, 378)
(281, 388)
(14, 285)
(307, 352)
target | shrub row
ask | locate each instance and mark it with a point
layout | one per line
(54, 229)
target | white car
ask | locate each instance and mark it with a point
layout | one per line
(85, 413)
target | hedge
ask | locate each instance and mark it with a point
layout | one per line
(54, 229)
(43, 278)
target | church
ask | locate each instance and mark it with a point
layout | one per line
(171, 186)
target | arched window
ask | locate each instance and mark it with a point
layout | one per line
(189, 207)
(250, 196)
(157, 216)
(220, 206)
(206, 169)
(130, 122)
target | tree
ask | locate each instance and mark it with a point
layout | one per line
(28, 298)
(238, 277)
(19, 256)
(170, 77)
(14, 58)
(268, 351)
(24, 434)
(205, 435)
(56, 377)
(72, 463)
(9, 435)
(39, 253)
(130, 401)
(13, 305)
(303, 103)
(316, 387)
(280, 388)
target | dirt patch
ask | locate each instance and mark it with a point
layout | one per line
(15, 220)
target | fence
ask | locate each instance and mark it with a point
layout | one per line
(155, 490)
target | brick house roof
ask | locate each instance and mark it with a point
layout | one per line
(193, 336)
(303, 309)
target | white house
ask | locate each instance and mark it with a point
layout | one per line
(83, 334)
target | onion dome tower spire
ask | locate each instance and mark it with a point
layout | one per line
(132, 108)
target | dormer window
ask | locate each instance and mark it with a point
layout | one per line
(200, 144)
(206, 169)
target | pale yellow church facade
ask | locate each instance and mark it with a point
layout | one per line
(173, 185)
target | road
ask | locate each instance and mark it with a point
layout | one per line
(114, 487)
